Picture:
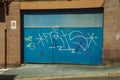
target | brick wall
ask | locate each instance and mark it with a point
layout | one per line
(2, 44)
(13, 35)
(111, 31)
(2, 35)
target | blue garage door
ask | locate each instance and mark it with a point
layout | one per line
(63, 36)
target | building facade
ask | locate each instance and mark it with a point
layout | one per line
(20, 14)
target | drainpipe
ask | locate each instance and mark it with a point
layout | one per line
(5, 48)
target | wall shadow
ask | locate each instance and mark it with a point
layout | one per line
(7, 77)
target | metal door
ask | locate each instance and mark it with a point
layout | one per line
(63, 36)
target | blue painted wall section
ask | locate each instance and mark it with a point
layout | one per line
(63, 38)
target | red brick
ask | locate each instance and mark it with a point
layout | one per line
(13, 36)
(2, 45)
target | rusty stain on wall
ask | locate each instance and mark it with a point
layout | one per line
(107, 45)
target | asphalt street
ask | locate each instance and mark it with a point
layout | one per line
(12, 77)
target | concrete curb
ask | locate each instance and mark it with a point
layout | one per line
(65, 77)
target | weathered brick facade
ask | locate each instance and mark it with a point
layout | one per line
(13, 36)
(111, 52)
(111, 48)
(2, 44)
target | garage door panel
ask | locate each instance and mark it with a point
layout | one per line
(78, 45)
(35, 46)
(63, 37)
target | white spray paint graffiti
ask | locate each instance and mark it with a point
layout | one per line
(64, 40)
(78, 36)
(118, 36)
(40, 40)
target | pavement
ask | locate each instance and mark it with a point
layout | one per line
(58, 71)
(3, 70)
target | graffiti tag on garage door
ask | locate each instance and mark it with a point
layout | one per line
(73, 41)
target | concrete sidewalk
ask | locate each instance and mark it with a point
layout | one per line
(55, 71)
(3, 70)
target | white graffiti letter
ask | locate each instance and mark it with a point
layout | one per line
(79, 36)
(40, 39)
(92, 39)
